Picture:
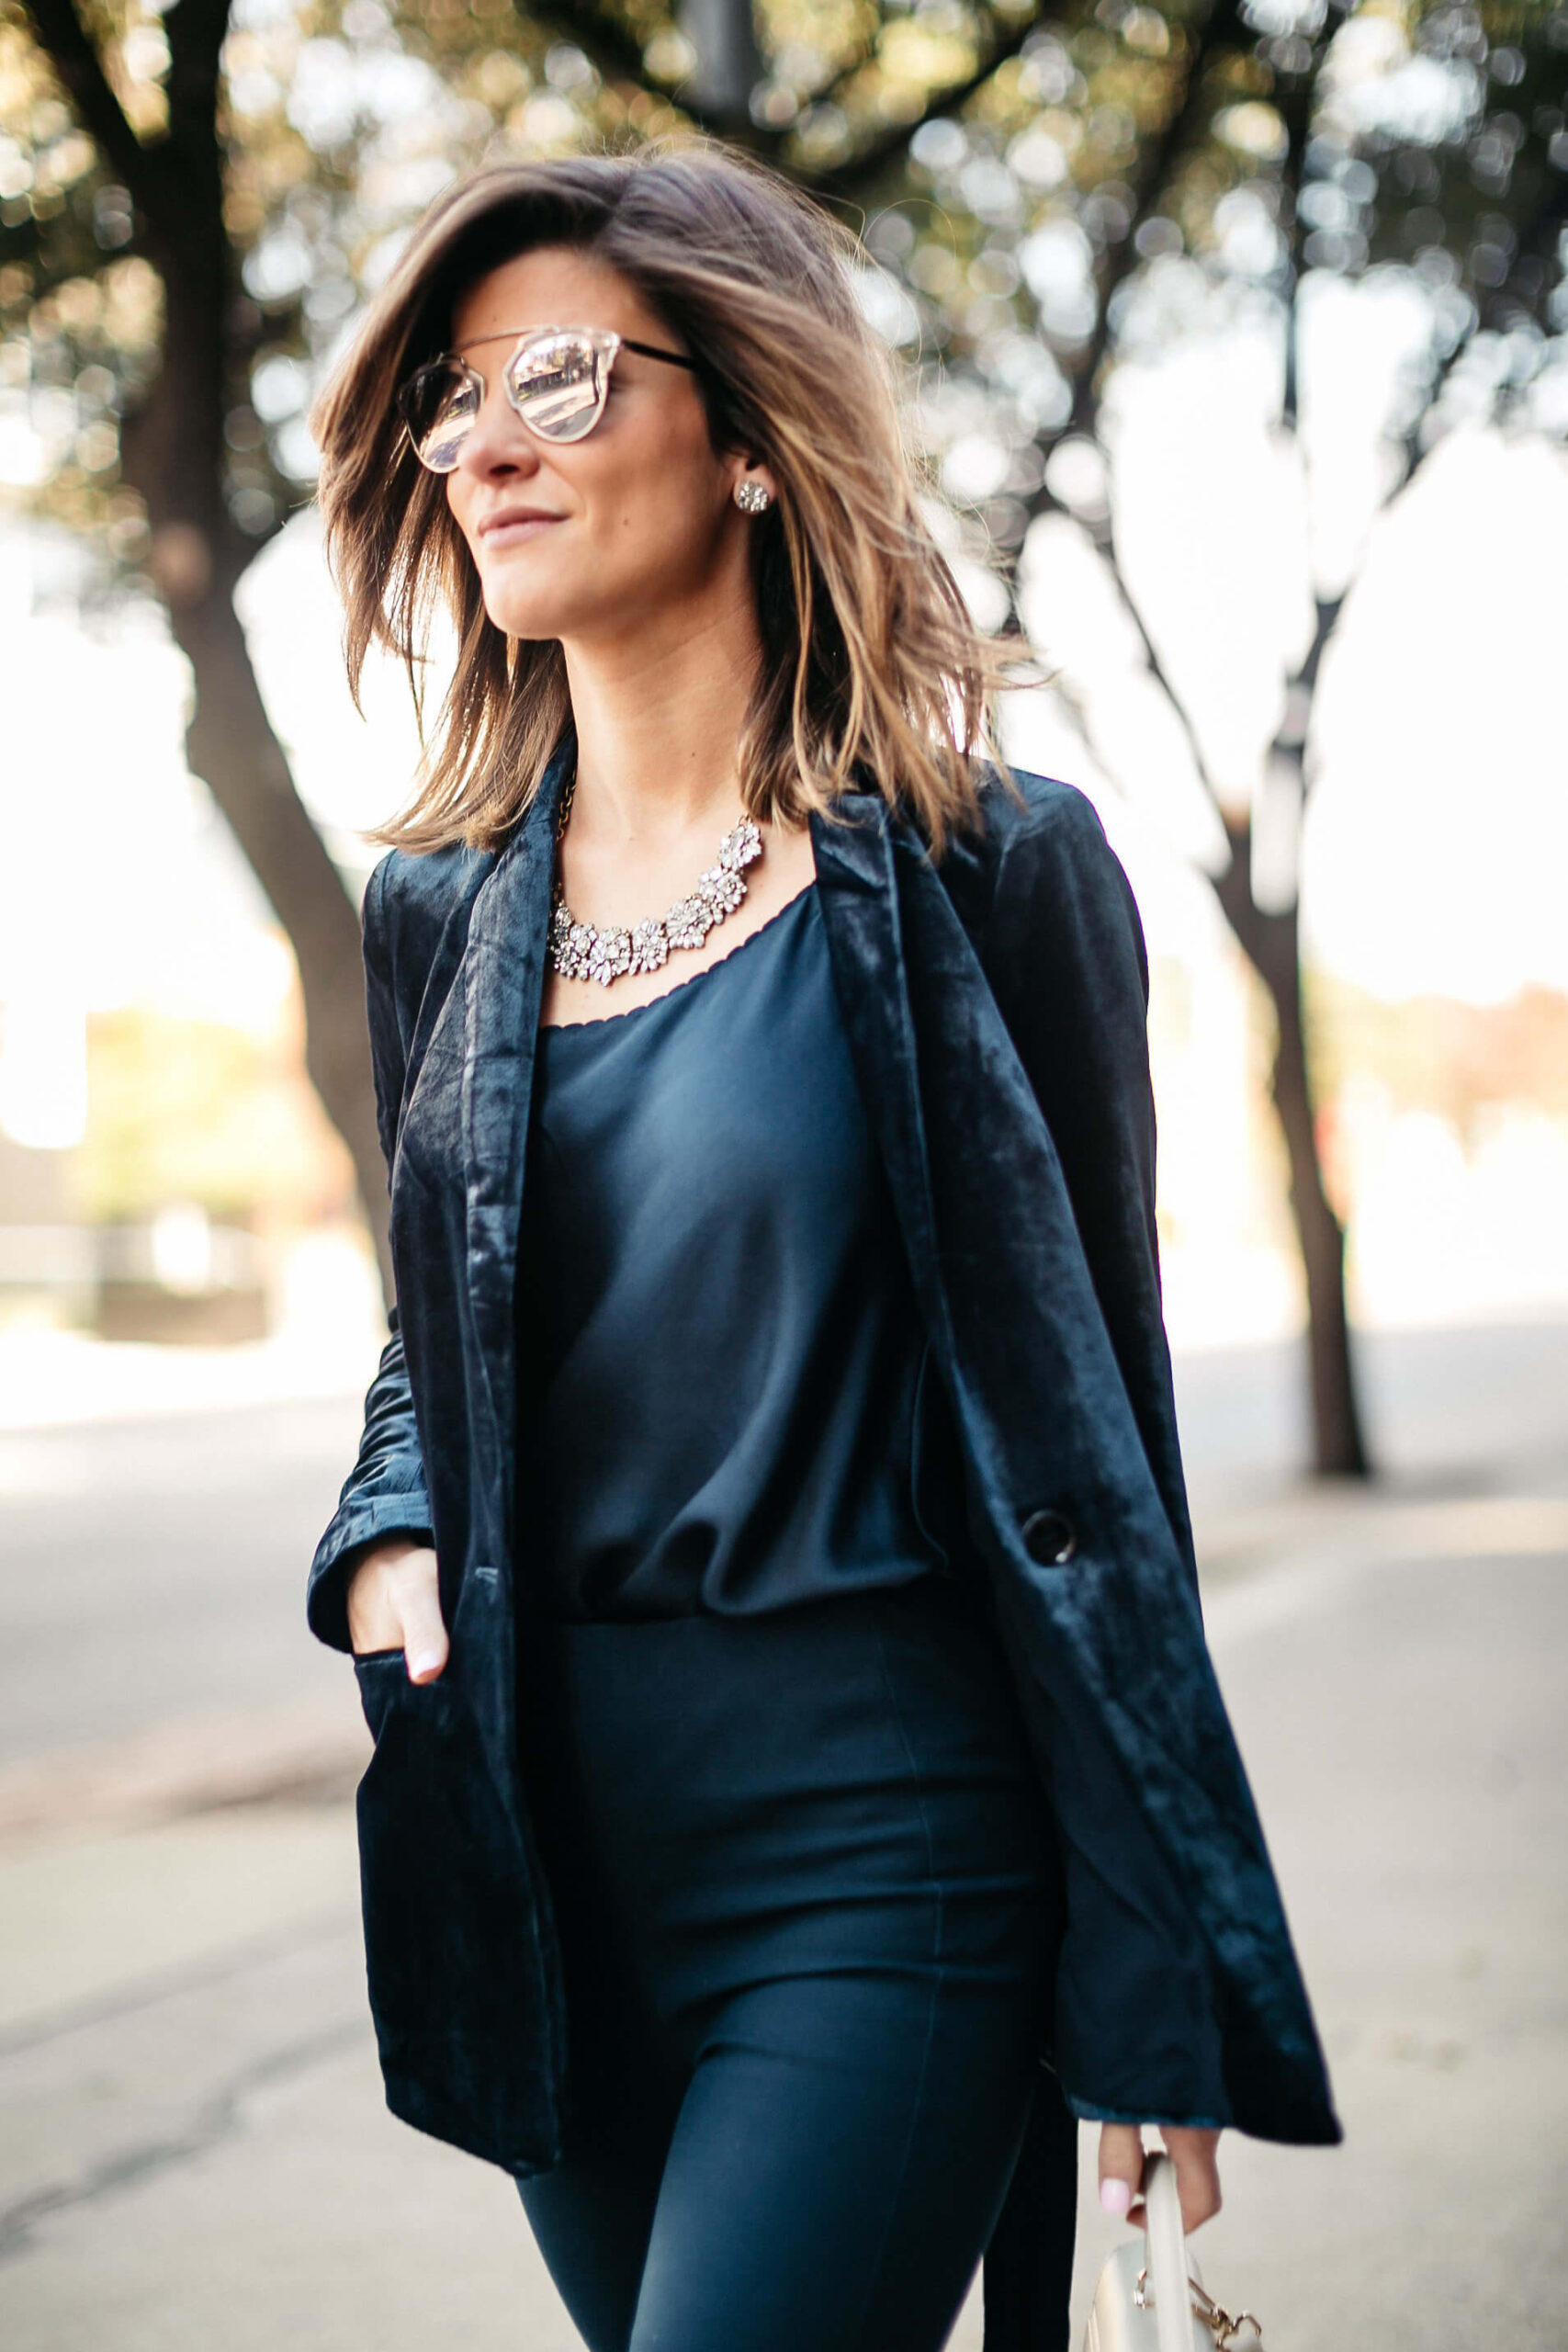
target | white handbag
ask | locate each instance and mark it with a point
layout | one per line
(1152, 2298)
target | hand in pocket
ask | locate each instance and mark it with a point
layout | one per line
(394, 1602)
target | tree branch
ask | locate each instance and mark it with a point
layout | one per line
(847, 183)
(605, 42)
(616, 55)
(1222, 28)
(1162, 676)
(1544, 225)
(62, 38)
(1291, 745)
(1106, 543)
(196, 31)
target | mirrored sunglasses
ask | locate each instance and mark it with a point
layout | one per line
(557, 380)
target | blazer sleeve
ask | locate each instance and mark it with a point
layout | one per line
(384, 1493)
(1069, 964)
(1138, 2013)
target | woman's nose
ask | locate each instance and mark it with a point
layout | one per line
(498, 442)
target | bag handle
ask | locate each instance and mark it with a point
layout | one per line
(1180, 2296)
(1164, 2253)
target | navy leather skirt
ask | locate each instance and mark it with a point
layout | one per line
(808, 1902)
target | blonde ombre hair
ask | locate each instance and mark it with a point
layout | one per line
(873, 676)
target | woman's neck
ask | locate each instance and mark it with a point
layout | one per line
(658, 722)
(658, 727)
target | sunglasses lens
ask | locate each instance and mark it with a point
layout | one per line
(558, 383)
(439, 406)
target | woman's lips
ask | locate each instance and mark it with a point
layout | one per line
(508, 530)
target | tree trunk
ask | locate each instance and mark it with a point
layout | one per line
(231, 746)
(173, 451)
(730, 65)
(1272, 945)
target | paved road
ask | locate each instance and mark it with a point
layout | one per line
(153, 1571)
(194, 2150)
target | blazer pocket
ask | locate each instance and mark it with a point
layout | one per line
(365, 1661)
(455, 1945)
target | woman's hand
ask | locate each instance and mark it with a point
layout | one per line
(1194, 2153)
(394, 1604)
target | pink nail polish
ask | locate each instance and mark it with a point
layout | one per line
(1116, 2198)
(424, 1662)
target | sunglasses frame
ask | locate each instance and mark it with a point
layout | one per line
(604, 342)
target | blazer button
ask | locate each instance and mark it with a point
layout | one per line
(1049, 1538)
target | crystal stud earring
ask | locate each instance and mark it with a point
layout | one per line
(752, 498)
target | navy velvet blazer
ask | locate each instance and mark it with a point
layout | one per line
(995, 1004)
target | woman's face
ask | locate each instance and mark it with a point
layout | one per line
(592, 539)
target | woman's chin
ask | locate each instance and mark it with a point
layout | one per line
(535, 618)
(531, 618)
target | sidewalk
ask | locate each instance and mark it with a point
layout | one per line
(197, 2153)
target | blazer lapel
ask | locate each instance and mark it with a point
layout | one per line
(868, 917)
(858, 891)
(503, 983)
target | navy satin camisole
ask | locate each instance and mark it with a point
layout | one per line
(720, 1352)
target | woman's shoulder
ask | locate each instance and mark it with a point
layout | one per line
(1021, 805)
(1036, 829)
(410, 897)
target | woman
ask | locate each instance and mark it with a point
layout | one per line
(800, 1789)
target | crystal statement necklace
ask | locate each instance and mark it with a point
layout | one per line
(580, 951)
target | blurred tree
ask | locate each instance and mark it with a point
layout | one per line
(193, 199)
(1142, 177)
(197, 1110)
(132, 344)
(119, 271)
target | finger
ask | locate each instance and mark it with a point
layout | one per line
(1121, 2167)
(372, 1619)
(375, 1618)
(425, 1645)
(1196, 2157)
